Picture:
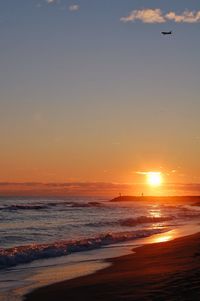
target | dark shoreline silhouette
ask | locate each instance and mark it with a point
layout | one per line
(162, 199)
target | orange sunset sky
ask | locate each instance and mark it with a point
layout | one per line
(94, 98)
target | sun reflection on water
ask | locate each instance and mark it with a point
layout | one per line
(163, 238)
(155, 212)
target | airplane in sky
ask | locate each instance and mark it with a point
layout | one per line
(166, 32)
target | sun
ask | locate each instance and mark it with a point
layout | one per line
(154, 178)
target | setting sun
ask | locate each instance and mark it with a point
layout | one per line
(154, 178)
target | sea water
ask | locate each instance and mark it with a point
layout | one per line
(44, 240)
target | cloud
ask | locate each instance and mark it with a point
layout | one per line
(153, 16)
(51, 1)
(141, 172)
(63, 189)
(89, 188)
(185, 17)
(145, 15)
(74, 7)
(147, 172)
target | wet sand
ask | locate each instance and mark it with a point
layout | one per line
(163, 271)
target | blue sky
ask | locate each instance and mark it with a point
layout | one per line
(86, 96)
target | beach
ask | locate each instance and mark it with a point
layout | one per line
(76, 237)
(160, 271)
(100, 144)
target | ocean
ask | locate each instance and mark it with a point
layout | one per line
(37, 234)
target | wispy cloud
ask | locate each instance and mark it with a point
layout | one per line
(147, 172)
(95, 188)
(63, 189)
(145, 15)
(74, 7)
(153, 16)
(51, 1)
(186, 17)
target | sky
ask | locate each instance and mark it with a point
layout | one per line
(90, 91)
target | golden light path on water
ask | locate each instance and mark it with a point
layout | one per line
(188, 229)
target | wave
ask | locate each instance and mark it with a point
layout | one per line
(25, 254)
(197, 204)
(27, 207)
(144, 220)
(89, 204)
(184, 213)
(49, 205)
(128, 222)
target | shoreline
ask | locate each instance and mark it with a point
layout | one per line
(47, 272)
(159, 271)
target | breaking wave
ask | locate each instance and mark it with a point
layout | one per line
(14, 207)
(143, 220)
(26, 207)
(24, 254)
(128, 222)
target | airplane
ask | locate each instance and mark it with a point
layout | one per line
(166, 32)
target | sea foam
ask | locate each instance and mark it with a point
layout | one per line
(24, 254)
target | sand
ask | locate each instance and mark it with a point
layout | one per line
(163, 271)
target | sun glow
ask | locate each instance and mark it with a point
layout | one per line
(154, 178)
